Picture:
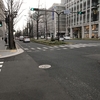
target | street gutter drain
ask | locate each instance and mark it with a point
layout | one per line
(44, 66)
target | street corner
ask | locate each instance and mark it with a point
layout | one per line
(13, 50)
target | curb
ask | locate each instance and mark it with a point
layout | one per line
(12, 52)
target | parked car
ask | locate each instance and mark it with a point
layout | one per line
(21, 38)
(60, 38)
(67, 37)
(42, 37)
(26, 39)
(48, 38)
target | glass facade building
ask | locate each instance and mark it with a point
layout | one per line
(83, 25)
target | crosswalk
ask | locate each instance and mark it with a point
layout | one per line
(1, 65)
(60, 47)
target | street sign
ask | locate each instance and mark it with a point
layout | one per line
(66, 11)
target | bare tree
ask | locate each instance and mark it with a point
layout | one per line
(12, 7)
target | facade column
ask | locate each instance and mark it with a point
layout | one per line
(90, 11)
(73, 15)
(79, 14)
(99, 24)
(71, 32)
(90, 30)
(86, 12)
(99, 30)
(82, 32)
(76, 15)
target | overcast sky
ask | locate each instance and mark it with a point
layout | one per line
(32, 4)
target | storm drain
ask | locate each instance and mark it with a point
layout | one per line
(45, 66)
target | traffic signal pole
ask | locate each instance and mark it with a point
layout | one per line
(58, 13)
(36, 9)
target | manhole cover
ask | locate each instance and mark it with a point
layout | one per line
(45, 66)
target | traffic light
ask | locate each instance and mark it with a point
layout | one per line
(0, 23)
(32, 9)
(80, 12)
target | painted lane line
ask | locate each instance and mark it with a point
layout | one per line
(0, 66)
(0, 70)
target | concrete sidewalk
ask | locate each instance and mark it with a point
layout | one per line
(4, 52)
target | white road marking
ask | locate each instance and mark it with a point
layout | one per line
(45, 47)
(38, 48)
(33, 48)
(0, 70)
(64, 48)
(1, 62)
(26, 49)
(55, 46)
(0, 66)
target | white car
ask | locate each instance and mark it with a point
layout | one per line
(67, 38)
(26, 39)
(21, 38)
(48, 38)
(42, 37)
(61, 39)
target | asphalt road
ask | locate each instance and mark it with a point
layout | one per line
(73, 75)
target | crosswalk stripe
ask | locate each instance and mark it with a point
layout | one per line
(45, 47)
(33, 48)
(0, 66)
(38, 48)
(26, 49)
(64, 47)
(1, 62)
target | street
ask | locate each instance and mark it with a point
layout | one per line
(74, 73)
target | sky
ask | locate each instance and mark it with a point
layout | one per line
(27, 4)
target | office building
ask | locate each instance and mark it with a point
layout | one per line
(82, 25)
(2, 19)
(52, 20)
